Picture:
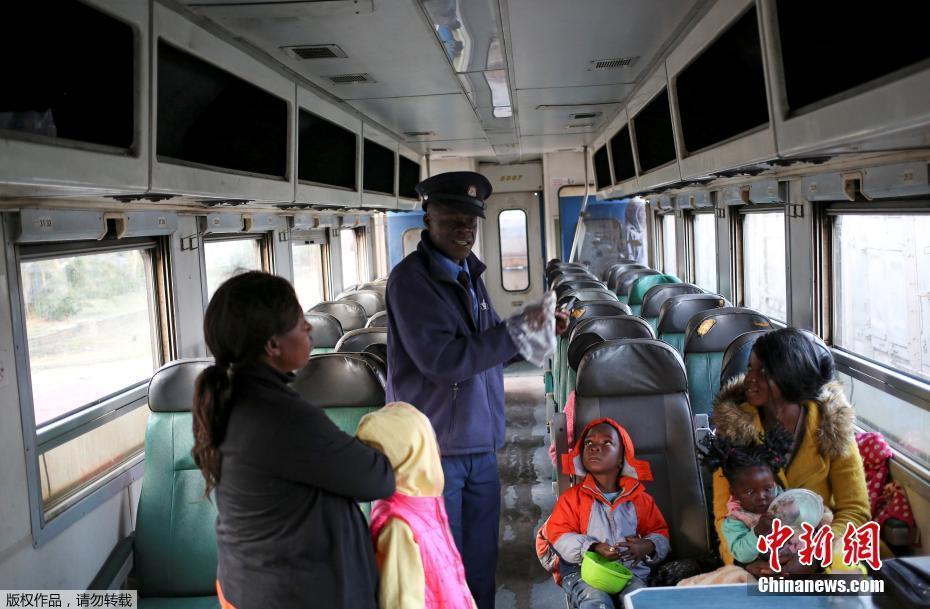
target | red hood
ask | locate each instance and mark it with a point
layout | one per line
(634, 468)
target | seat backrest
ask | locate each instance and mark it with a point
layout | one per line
(560, 278)
(736, 356)
(347, 385)
(350, 314)
(608, 270)
(175, 540)
(371, 300)
(642, 284)
(578, 284)
(656, 295)
(652, 404)
(626, 280)
(677, 311)
(326, 331)
(706, 338)
(604, 328)
(357, 341)
(619, 269)
(379, 287)
(585, 295)
(378, 320)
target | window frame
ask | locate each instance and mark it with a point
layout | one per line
(265, 252)
(660, 229)
(691, 251)
(48, 521)
(526, 240)
(300, 238)
(737, 233)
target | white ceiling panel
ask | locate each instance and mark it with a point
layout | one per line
(554, 41)
(389, 40)
(562, 103)
(449, 117)
(455, 148)
(537, 144)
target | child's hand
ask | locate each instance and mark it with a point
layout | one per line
(608, 552)
(764, 526)
(759, 568)
(636, 549)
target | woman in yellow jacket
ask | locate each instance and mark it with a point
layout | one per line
(789, 384)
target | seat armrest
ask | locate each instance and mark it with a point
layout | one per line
(559, 430)
(115, 570)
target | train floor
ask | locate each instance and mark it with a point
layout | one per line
(526, 495)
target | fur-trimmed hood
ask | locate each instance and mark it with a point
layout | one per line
(738, 421)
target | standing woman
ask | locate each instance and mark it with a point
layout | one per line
(289, 532)
(790, 385)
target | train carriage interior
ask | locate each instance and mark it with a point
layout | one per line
(686, 175)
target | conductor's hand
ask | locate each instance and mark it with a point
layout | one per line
(607, 551)
(561, 322)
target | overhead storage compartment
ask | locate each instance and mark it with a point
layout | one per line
(718, 77)
(653, 133)
(73, 106)
(379, 169)
(602, 173)
(328, 169)
(846, 80)
(221, 118)
(408, 176)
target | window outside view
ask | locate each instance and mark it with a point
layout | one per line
(669, 262)
(308, 273)
(89, 323)
(224, 259)
(348, 247)
(881, 269)
(764, 283)
(705, 251)
(515, 272)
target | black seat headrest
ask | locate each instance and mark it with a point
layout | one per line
(381, 288)
(658, 294)
(378, 350)
(712, 330)
(604, 328)
(736, 356)
(342, 380)
(594, 308)
(611, 268)
(628, 277)
(326, 330)
(171, 388)
(378, 320)
(371, 300)
(652, 367)
(677, 311)
(584, 294)
(350, 314)
(560, 278)
(579, 345)
(617, 270)
(356, 341)
(580, 284)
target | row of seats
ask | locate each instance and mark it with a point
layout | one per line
(356, 309)
(171, 557)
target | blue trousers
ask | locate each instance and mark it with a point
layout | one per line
(473, 502)
(582, 596)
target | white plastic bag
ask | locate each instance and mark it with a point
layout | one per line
(532, 330)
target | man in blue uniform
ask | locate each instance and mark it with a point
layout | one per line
(446, 352)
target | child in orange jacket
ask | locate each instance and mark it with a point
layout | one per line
(610, 513)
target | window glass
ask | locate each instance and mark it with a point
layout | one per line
(309, 276)
(705, 251)
(227, 258)
(411, 239)
(381, 255)
(361, 249)
(608, 232)
(515, 272)
(89, 325)
(881, 270)
(764, 285)
(348, 247)
(669, 261)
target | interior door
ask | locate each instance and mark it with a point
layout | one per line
(512, 244)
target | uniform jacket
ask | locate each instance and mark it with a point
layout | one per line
(289, 532)
(416, 554)
(443, 361)
(826, 461)
(582, 516)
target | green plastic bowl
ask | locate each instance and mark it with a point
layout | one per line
(604, 574)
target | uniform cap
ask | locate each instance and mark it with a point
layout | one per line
(462, 191)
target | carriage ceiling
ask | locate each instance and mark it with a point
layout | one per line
(500, 80)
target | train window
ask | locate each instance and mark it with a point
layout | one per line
(378, 168)
(408, 175)
(89, 327)
(53, 88)
(881, 289)
(821, 60)
(704, 226)
(669, 260)
(621, 149)
(655, 140)
(210, 117)
(309, 273)
(515, 271)
(326, 153)
(348, 248)
(602, 168)
(227, 257)
(710, 119)
(764, 282)
(361, 246)
(411, 239)
(380, 236)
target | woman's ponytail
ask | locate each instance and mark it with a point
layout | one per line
(211, 414)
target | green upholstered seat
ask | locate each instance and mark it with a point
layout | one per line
(641, 286)
(191, 602)
(677, 311)
(703, 380)
(675, 339)
(318, 350)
